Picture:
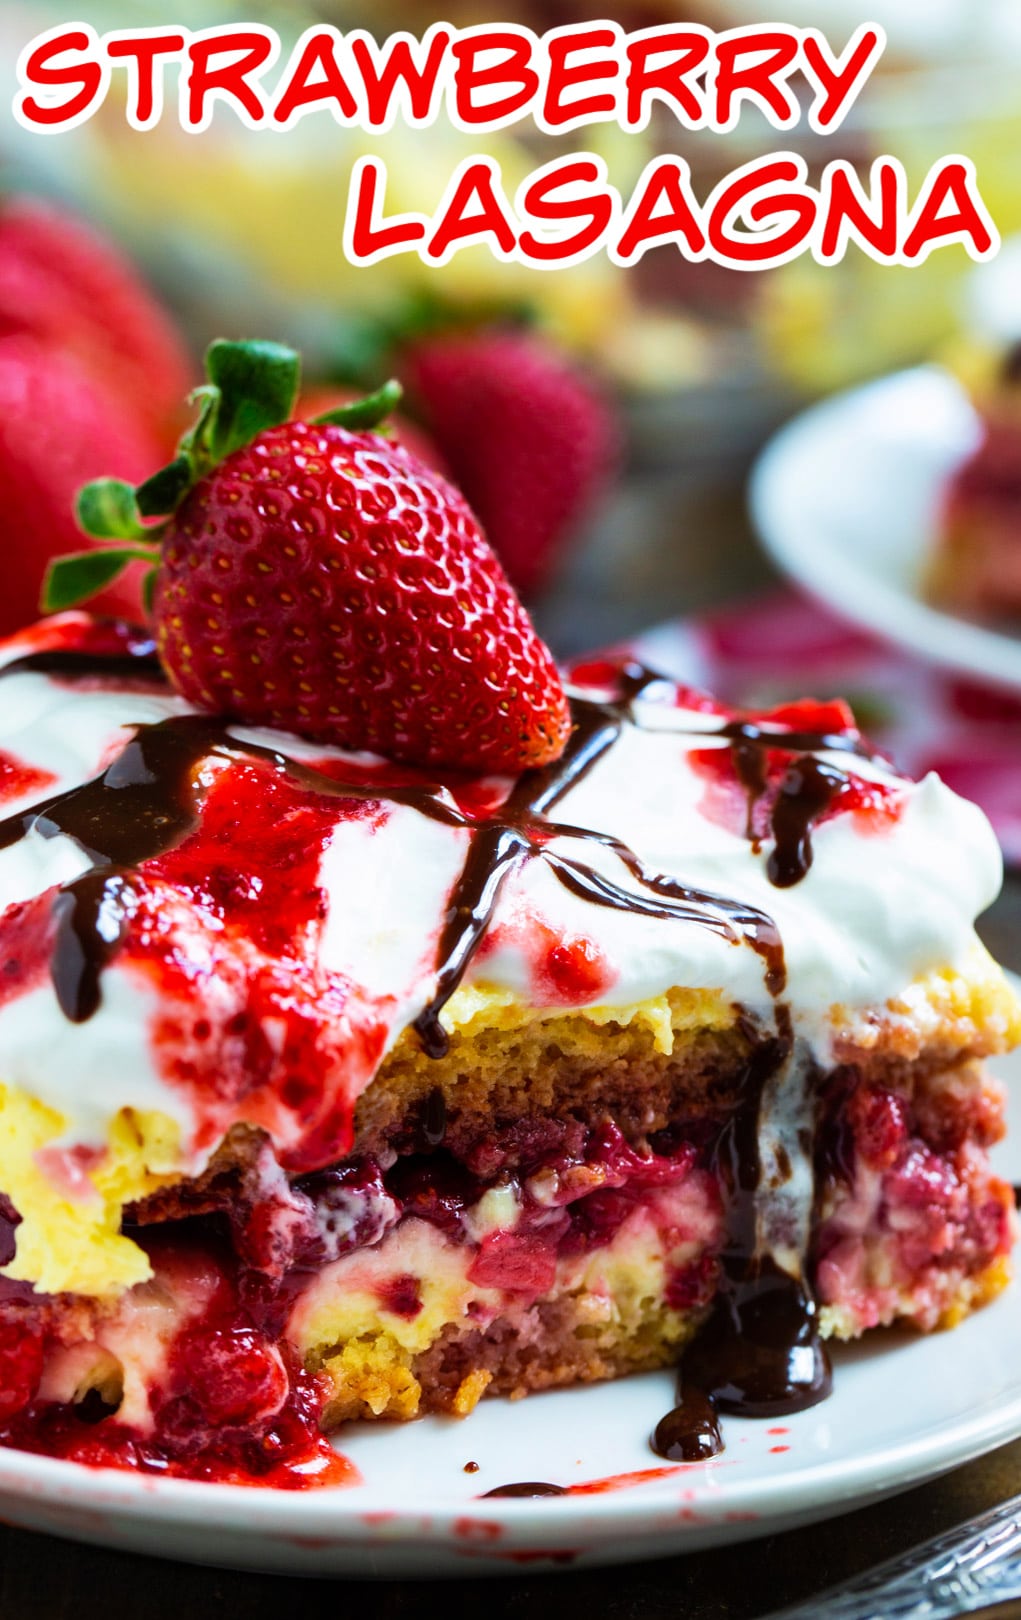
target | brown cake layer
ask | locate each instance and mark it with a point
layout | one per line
(574, 1339)
(499, 1095)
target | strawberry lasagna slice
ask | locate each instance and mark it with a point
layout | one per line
(333, 1089)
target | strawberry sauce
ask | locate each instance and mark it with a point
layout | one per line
(764, 788)
(231, 1406)
(17, 779)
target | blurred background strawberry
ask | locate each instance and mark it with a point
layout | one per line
(526, 434)
(59, 426)
(93, 380)
(499, 405)
(66, 285)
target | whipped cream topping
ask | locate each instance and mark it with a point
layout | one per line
(897, 873)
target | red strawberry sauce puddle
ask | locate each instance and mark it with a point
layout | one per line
(295, 1457)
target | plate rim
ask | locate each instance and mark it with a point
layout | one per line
(748, 1507)
(899, 617)
(186, 1503)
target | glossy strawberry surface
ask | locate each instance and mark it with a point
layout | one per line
(326, 581)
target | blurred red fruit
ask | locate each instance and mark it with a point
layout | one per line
(528, 438)
(59, 427)
(62, 283)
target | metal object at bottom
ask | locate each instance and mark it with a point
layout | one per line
(973, 1569)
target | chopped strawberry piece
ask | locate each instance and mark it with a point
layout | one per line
(517, 1262)
(573, 971)
(690, 1287)
(401, 1296)
(879, 1120)
(831, 718)
(18, 779)
(232, 1375)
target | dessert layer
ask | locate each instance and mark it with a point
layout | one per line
(910, 1224)
(207, 928)
(388, 1289)
(498, 1092)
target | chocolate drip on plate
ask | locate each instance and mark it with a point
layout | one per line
(759, 1354)
(527, 1487)
(691, 1431)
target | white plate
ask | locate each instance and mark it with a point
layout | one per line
(904, 1409)
(846, 499)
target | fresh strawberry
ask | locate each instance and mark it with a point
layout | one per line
(65, 285)
(58, 426)
(528, 438)
(317, 576)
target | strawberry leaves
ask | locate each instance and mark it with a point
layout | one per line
(362, 414)
(108, 509)
(251, 386)
(160, 494)
(81, 574)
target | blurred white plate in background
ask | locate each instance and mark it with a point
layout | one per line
(846, 500)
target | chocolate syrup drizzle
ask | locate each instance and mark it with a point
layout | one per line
(759, 1352)
(137, 662)
(145, 803)
(527, 1488)
(522, 830)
